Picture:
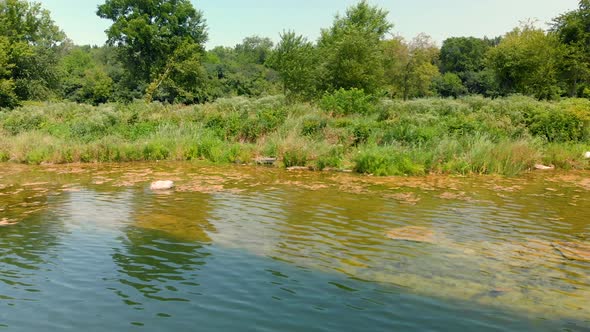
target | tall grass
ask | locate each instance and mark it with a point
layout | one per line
(345, 130)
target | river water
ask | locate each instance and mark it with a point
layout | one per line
(236, 248)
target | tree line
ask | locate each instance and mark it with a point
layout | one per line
(155, 51)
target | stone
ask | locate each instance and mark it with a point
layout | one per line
(162, 185)
(587, 155)
(265, 161)
(413, 234)
(297, 168)
(544, 168)
(576, 251)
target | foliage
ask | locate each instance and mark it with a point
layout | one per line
(573, 31)
(464, 135)
(294, 58)
(463, 54)
(347, 102)
(156, 40)
(350, 49)
(526, 61)
(8, 96)
(410, 67)
(449, 85)
(29, 43)
(84, 80)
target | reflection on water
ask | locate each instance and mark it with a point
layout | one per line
(239, 248)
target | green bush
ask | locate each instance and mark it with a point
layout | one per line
(347, 102)
(295, 156)
(17, 122)
(312, 125)
(381, 161)
(559, 125)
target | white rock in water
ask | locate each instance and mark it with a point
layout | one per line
(162, 185)
(544, 168)
(587, 155)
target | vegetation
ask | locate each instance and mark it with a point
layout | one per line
(387, 137)
(359, 98)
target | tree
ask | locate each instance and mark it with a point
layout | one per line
(449, 85)
(31, 46)
(410, 67)
(351, 49)
(84, 78)
(152, 38)
(465, 57)
(527, 61)
(463, 54)
(8, 97)
(242, 70)
(573, 30)
(294, 58)
(254, 49)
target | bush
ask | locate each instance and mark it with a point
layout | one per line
(17, 121)
(294, 157)
(559, 125)
(347, 102)
(382, 161)
(449, 85)
(311, 125)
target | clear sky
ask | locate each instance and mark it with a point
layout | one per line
(230, 21)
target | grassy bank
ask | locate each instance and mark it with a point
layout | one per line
(343, 131)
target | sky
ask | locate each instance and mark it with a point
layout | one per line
(230, 21)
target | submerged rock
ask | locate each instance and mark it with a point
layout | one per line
(412, 233)
(265, 160)
(544, 168)
(577, 251)
(297, 168)
(7, 222)
(162, 185)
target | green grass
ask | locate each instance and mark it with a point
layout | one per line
(383, 137)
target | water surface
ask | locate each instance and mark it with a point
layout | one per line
(255, 249)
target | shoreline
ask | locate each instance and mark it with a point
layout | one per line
(472, 135)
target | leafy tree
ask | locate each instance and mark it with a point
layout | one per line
(254, 49)
(410, 67)
(449, 85)
(295, 60)
(182, 79)
(31, 45)
(153, 38)
(573, 30)
(242, 70)
(84, 78)
(526, 61)
(8, 97)
(351, 49)
(463, 54)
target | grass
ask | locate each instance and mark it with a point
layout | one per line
(384, 137)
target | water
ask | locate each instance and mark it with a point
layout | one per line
(257, 249)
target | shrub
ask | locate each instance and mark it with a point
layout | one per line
(559, 125)
(347, 102)
(17, 121)
(382, 161)
(311, 125)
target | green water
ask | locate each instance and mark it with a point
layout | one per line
(255, 249)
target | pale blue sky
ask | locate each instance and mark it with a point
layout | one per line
(230, 21)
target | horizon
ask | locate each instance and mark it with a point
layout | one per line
(230, 21)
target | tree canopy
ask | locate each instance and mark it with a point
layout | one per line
(153, 38)
(156, 51)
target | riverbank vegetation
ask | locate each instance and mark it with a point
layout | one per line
(388, 137)
(357, 98)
